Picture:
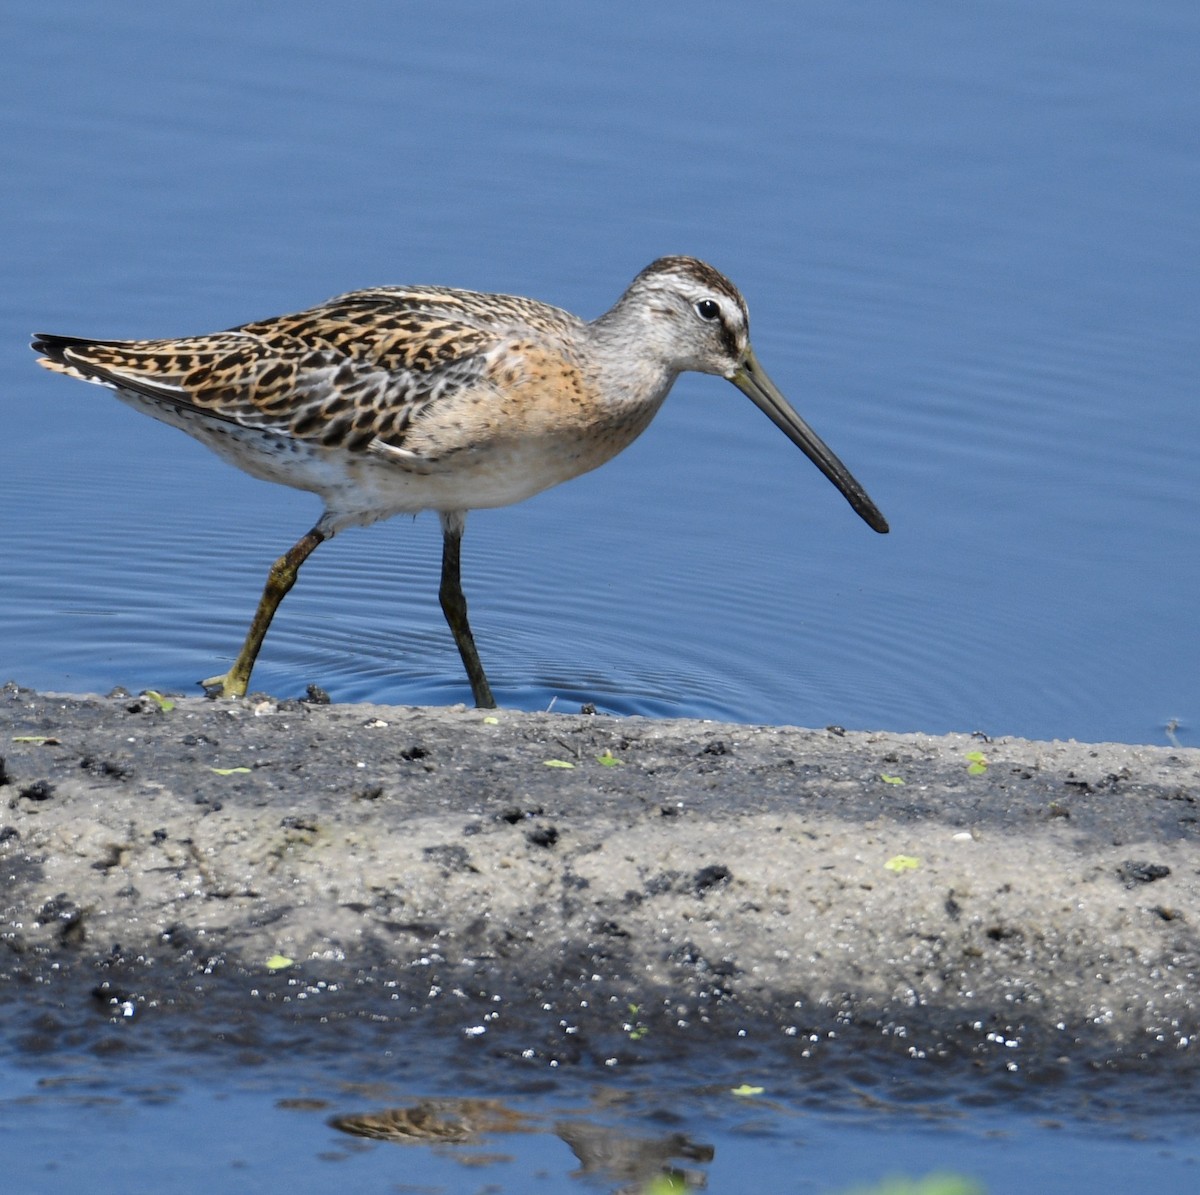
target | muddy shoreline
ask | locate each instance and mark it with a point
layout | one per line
(630, 874)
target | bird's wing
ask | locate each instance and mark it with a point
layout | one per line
(357, 370)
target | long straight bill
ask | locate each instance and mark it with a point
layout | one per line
(754, 383)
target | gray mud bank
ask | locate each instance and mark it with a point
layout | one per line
(682, 871)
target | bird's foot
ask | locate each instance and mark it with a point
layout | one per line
(227, 685)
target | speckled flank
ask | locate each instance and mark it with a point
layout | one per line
(410, 398)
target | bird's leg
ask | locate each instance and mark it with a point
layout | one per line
(454, 607)
(279, 580)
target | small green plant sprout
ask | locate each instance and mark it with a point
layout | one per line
(164, 703)
(608, 759)
(977, 763)
(667, 1184)
(635, 1028)
(745, 1090)
(558, 763)
(890, 779)
(279, 962)
(899, 863)
(229, 771)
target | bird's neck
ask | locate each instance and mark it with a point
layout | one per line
(628, 359)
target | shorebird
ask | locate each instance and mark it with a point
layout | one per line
(400, 399)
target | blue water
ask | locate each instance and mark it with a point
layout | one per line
(120, 1126)
(968, 235)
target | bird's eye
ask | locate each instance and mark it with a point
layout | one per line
(708, 309)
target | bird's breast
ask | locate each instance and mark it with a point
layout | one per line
(538, 418)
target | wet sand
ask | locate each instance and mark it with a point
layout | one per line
(678, 873)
